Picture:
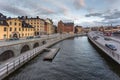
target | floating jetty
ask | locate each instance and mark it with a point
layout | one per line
(51, 54)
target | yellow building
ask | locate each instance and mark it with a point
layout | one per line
(3, 27)
(14, 28)
(37, 23)
(18, 28)
(3, 30)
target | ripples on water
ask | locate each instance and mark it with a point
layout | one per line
(76, 60)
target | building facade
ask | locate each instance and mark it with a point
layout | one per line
(49, 26)
(78, 29)
(18, 28)
(3, 27)
(14, 28)
(65, 27)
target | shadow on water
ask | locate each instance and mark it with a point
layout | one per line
(113, 65)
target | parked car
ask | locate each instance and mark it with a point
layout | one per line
(107, 39)
(37, 37)
(95, 37)
(13, 39)
(29, 37)
(111, 46)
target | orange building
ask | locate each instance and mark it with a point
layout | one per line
(65, 27)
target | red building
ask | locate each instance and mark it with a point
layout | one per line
(65, 27)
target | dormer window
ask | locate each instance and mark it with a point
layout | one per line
(1, 22)
(10, 23)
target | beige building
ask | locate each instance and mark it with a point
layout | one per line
(48, 26)
(79, 29)
(37, 23)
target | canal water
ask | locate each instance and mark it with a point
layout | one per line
(76, 60)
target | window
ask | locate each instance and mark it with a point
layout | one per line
(10, 23)
(10, 35)
(19, 24)
(4, 35)
(1, 22)
(19, 29)
(15, 29)
(10, 28)
(15, 23)
(22, 34)
(26, 29)
(5, 29)
(23, 29)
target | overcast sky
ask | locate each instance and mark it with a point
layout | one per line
(82, 12)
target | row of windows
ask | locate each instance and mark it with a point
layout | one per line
(21, 35)
(19, 24)
(35, 20)
(15, 29)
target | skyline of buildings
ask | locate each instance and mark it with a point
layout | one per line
(22, 27)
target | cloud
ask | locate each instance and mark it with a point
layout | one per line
(13, 10)
(94, 15)
(45, 11)
(62, 8)
(109, 14)
(114, 15)
(30, 9)
(108, 17)
(79, 3)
